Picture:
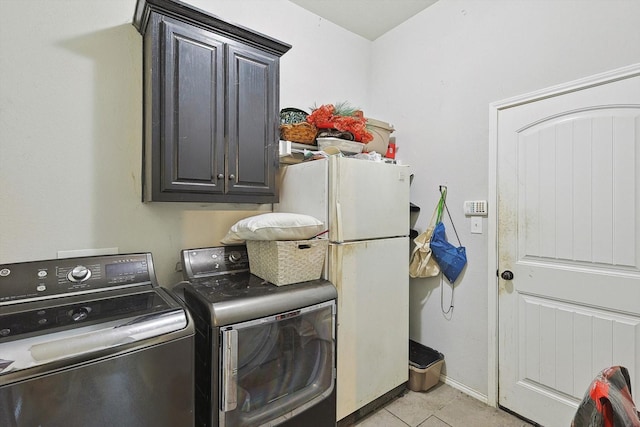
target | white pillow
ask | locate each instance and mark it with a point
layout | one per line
(274, 226)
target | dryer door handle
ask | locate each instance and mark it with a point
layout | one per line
(229, 370)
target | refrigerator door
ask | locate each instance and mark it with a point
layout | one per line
(304, 190)
(372, 279)
(356, 199)
(368, 200)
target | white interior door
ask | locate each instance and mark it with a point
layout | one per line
(569, 231)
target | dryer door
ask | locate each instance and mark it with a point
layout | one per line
(274, 368)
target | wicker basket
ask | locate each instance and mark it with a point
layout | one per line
(284, 262)
(303, 132)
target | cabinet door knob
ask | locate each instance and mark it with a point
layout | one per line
(220, 176)
(232, 177)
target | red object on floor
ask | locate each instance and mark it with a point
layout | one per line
(608, 402)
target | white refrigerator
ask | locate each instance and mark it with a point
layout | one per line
(365, 206)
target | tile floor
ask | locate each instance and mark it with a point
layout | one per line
(441, 406)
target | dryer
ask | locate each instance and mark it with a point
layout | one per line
(265, 354)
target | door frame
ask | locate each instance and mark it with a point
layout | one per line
(492, 232)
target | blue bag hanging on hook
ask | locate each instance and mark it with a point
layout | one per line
(450, 258)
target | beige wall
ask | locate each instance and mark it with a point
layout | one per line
(71, 129)
(436, 76)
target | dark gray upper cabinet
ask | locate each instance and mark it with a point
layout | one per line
(211, 123)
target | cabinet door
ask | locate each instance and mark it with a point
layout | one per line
(192, 113)
(252, 121)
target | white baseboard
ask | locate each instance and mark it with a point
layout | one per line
(463, 388)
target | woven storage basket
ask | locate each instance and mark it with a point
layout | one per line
(284, 262)
(303, 132)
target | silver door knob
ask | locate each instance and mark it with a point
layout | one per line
(507, 275)
(220, 176)
(232, 177)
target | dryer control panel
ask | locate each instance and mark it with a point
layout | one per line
(207, 262)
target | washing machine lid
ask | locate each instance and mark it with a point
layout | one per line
(61, 332)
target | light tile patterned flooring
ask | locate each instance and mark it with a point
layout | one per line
(441, 406)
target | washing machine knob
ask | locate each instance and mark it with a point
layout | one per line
(79, 274)
(79, 314)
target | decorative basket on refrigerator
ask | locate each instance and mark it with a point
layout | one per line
(303, 133)
(283, 262)
(294, 126)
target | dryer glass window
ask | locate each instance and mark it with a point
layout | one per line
(273, 366)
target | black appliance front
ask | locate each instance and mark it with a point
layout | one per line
(265, 354)
(93, 342)
(150, 387)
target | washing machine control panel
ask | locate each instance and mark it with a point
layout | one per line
(48, 278)
(213, 261)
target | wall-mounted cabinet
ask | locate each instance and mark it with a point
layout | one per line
(211, 103)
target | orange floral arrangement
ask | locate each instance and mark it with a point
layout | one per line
(343, 118)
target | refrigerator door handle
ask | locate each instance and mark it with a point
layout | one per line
(338, 222)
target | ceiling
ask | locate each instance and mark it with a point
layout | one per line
(368, 18)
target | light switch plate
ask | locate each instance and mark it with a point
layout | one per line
(476, 225)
